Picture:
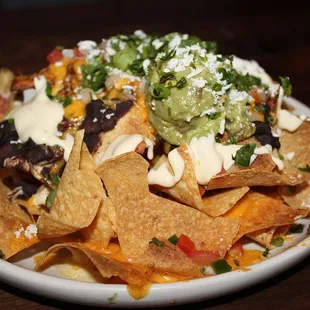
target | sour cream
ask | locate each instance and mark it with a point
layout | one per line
(162, 176)
(124, 144)
(39, 198)
(38, 118)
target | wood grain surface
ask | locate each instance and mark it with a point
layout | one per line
(275, 34)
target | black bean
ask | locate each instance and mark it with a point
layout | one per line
(29, 188)
(264, 135)
(122, 108)
(7, 151)
(7, 132)
(92, 141)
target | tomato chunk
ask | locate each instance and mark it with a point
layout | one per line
(54, 56)
(236, 250)
(77, 53)
(185, 244)
(203, 258)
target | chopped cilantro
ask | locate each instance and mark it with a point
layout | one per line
(215, 115)
(173, 239)
(112, 299)
(94, 74)
(286, 84)
(261, 108)
(217, 139)
(1, 255)
(169, 55)
(136, 67)
(50, 198)
(11, 121)
(305, 169)
(182, 83)
(166, 77)
(217, 87)
(157, 242)
(266, 253)
(67, 101)
(236, 262)
(277, 242)
(243, 155)
(48, 90)
(281, 156)
(233, 140)
(221, 266)
(296, 229)
(159, 91)
(60, 47)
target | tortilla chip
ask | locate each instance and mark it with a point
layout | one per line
(101, 229)
(109, 265)
(258, 174)
(263, 236)
(142, 215)
(14, 221)
(187, 189)
(133, 122)
(257, 211)
(78, 195)
(297, 197)
(6, 78)
(221, 201)
(297, 142)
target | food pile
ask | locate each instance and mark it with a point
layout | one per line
(156, 157)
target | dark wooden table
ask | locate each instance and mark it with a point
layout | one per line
(275, 34)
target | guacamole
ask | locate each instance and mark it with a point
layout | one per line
(190, 95)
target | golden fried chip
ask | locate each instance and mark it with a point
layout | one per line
(101, 229)
(297, 142)
(263, 236)
(133, 122)
(187, 189)
(14, 225)
(6, 78)
(297, 197)
(109, 263)
(220, 201)
(257, 211)
(257, 175)
(78, 195)
(142, 215)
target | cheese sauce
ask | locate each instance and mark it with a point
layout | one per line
(162, 175)
(38, 119)
(124, 144)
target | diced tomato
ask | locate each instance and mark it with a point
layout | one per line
(201, 190)
(54, 56)
(236, 250)
(203, 258)
(4, 105)
(141, 147)
(77, 53)
(185, 244)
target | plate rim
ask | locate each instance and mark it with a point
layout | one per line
(165, 294)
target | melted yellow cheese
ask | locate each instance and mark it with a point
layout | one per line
(249, 257)
(76, 109)
(138, 292)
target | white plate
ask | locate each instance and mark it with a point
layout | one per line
(18, 273)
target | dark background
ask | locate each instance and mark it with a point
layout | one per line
(275, 33)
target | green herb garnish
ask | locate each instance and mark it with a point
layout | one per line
(281, 156)
(277, 242)
(60, 47)
(261, 108)
(296, 229)
(181, 83)
(112, 299)
(11, 121)
(1, 255)
(266, 253)
(233, 140)
(137, 67)
(50, 198)
(157, 242)
(286, 84)
(215, 115)
(48, 90)
(67, 101)
(173, 239)
(54, 178)
(305, 169)
(243, 155)
(94, 74)
(159, 91)
(221, 266)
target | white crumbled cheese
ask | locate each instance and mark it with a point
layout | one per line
(200, 82)
(58, 63)
(222, 126)
(303, 117)
(251, 67)
(31, 231)
(194, 72)
(18, 232)
(67, 53)
(93, 53)
(175, 42)
(15, 142)
(288, 121)
(140, 34)
(95, 120)
(145, 65)
(108, 116)
(273, 89)
(86, 46)
(237, 96)
(157, 44)
(299, 176)
(306, 202)
(208, 111)
(103, 110)
(289, 156)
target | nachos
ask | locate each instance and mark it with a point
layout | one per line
(153, 157)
